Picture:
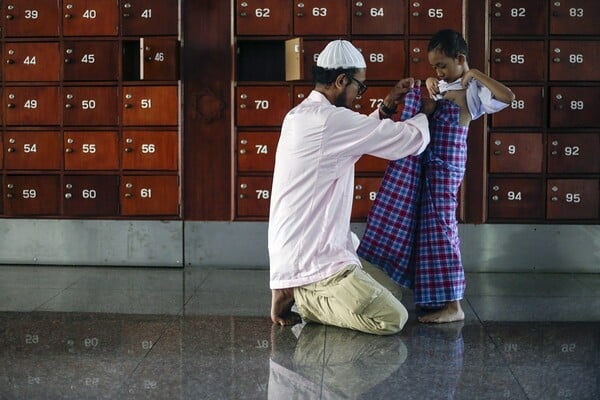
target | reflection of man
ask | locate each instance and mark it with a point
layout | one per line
(330, 363)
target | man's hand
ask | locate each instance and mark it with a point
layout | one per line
(398, 92)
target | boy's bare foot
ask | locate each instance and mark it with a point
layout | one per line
(281, 307)
(450, 313)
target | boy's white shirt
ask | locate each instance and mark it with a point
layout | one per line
(480, 99)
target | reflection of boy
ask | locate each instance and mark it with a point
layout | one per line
(412, 231)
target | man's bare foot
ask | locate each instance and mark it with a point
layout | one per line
(450, 313)
(281, 307)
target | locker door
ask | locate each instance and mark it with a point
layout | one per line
(263, 17)
(92, 106)
(369, 163)
(378, 17)
(37, 105)
(574, 107)
(516, 152)
(31, 62)
(90, 18)
(160, 59)
(573, 198)
(26, 150)
(365, 191)
(418, 63)
(93, 195)
(149, 17)
(149, 195)
(574, 60)
(384, 58)
(262, 105)
(573, 153)
(370, 100)
(514, 60)
(31, 195)
(30, 18)
(256, 151)
(526, 110)
(150, 150)
(90, 61)
(150, 105)
(91, 150)
(320, 17)
(519, 17)
(574, 17)
(429, 16)
(515, 198)
(253, 196)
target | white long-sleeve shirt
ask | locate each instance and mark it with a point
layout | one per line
(480, 99)
(313, 183)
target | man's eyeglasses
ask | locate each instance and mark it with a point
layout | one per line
(362, 88)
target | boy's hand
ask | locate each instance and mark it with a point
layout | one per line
(432, 86)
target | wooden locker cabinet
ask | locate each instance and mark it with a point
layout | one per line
(26, 195)
(519, 17)
(574, 60)
(573, 153)
(32, 61)
(90, 105)
(90, 18)
(149, 17)
(32, 105)
(90, 60)
(256, 151)
(378, 17)
(150, 105)
(515, 198)
(24, 18)
(517, 60)
(572, 106)
(426, 17)
(365, 192)
(321, 17)
(574, 17)
(149, 195)
(90, 195)
(573, 198)
(27, 150)
(90, 150)
(384, 58)
(263, 17)
(150, 150)
(253, 195)
(527, 110)
(262, 105)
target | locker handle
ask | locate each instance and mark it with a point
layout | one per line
(68, 150)
(11, 150)
(10, 61)
(243, 14)
(9, 195)
(68, 16)
(556, 60)
(497, 152)
(128, 149)
(128, 195)
(8, 16)
(359, 14)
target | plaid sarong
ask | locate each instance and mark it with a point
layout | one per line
(412, 231)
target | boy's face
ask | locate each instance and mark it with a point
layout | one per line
(447, 68)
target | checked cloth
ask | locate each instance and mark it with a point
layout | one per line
(412, 231)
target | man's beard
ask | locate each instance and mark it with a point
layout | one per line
(340, 101)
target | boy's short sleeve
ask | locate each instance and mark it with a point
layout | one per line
(480, 100)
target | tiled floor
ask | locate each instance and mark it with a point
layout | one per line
(129, 333)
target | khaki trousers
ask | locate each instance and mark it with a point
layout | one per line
(351, 299)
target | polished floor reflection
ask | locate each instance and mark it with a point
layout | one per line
(201, 333)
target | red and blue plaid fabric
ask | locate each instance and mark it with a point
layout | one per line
(412, 231)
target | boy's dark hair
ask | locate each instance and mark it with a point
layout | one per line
(449, 42)
(327, 76)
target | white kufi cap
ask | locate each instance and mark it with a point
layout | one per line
(340, 54)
